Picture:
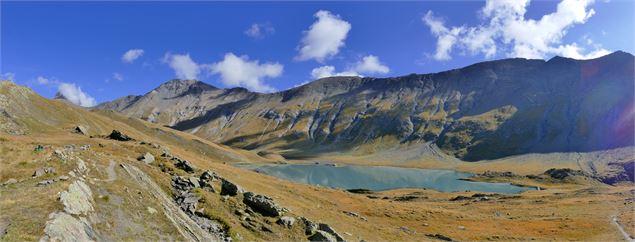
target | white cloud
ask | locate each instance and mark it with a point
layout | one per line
(324, 38)
(506, 28)
(75, 95)
(7, 76)
(131, 55)
(240, 71)
(183, 66)
(322, 71)
(369, 64)
(260, 30)
(117, 76)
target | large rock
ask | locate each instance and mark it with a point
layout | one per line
(229, 188)
(328, 229)
(146, 158)
(309, 226)
(116, 135)
(78, 199)
(43, 171)
(263, 204)
(322, 237)
(187, 201)
(184, 165)
(80, 130)
(207, 179)
(66, 228)
(182, 184)
(286, 221)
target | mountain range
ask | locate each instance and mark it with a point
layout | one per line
(483, 111)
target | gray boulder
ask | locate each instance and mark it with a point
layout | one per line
(64, 227)
(187, 201)
(286, 221)
(229, 188)
(181, 183)
(45, 183)
(309, 226)
(328, 229)
(78, 199)
(146, 158)
(43, 171)
(322, 237)
(263, 204)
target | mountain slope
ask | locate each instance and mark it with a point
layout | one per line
(484, 111)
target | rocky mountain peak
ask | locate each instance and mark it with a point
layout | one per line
(178, 87)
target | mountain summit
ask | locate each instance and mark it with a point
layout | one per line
(483, 111)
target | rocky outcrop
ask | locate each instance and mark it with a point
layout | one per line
(66, 228)
(322, 236)
(184, 165)
(78, 199)
(43, 171)
(263, 204)
(563, 173)
(146, 158)
(186, 226)
(116, 135)
(80, 130)
(229, 188)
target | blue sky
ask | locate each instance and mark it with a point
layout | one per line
(78, 48)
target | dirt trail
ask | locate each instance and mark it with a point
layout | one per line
(184, 224)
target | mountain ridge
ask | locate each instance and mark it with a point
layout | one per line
(485, 110)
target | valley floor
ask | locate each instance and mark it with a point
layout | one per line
(125, 209)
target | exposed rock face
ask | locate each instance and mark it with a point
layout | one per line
(146, 158)
(116, 135)
(78, 199)
(563, 173)
(322, 236)
(263, 204)
(184, 165)
(66, 228)
(207, 179)
(484, 111)
(619, 172)
(331, 231)
(229, 188)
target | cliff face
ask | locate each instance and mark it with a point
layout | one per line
(483, 111)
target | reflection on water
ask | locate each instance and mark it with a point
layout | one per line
(381, 178)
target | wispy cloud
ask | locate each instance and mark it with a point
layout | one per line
(7, 76)
(369, 64)
(131, 55)
(260, 30)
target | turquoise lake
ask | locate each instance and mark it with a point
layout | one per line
(378, 178)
